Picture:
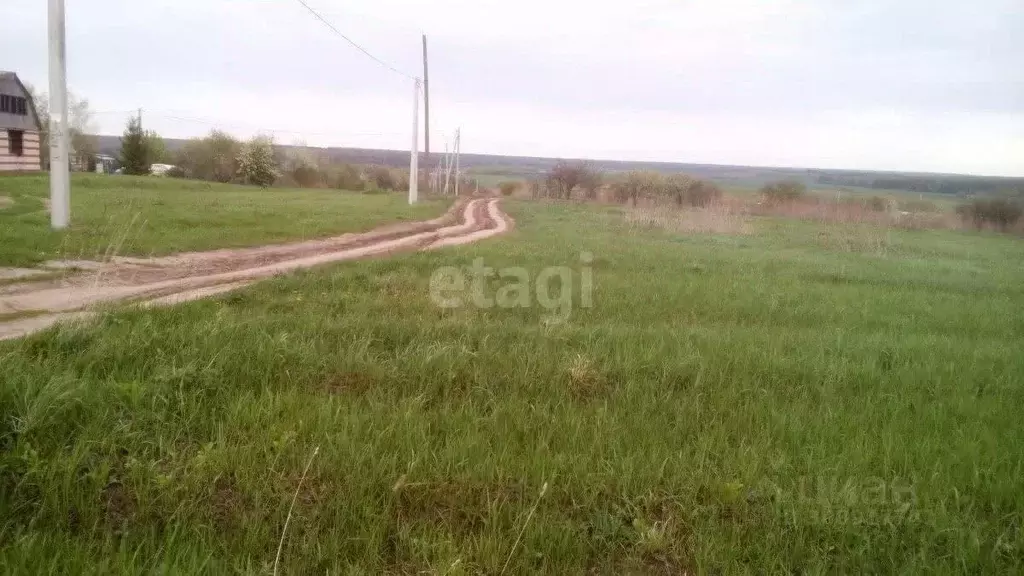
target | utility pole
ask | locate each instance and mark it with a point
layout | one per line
(426, 108)
(140, 119)
(414, 175)
(60, 168)
(458, 146)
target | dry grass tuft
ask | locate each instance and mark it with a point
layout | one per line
(725, 217)
(585, 381)
(6, 201)
(829, 211)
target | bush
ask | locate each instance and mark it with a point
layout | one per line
(382, 178)
(919, 206)
(306, 176)
(400, 179)
(256, 162)
(999, 213)
(564, 177)
(783, 192)
(638, 184)
(349, 178)
(175, 172)
(214, 157)
(688, 191)
(878, 204)
(508, 188)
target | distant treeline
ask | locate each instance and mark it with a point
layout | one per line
(954, 185)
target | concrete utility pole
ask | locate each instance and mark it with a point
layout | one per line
(426, 108)
(60, 168)
(458, 151)
(415, 152)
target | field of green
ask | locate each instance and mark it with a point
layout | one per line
(777, 402)
(152, 216)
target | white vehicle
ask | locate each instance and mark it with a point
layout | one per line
(160, 169)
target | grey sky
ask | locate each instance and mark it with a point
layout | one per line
(900, 85)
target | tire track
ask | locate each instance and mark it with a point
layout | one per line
(178, 279)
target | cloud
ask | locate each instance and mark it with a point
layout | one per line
(912, 85)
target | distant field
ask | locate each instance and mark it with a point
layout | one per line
(796, 399)
(148, 215)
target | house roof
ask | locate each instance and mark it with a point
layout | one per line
(11, 84)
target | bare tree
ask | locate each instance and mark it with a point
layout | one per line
(638, 184)
(80, 128)
(565, 176)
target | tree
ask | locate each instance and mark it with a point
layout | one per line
(349, 178)
(134, 154)
(566, 176)
(256, 162)
(509, 187)
(783, 192)
(685, 190)
(638, 184)
(214, 157)
(80, 128)
(158, 152)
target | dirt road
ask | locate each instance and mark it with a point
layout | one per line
(34, 306)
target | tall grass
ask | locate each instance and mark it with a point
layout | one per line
(731, 404)
(163, 216)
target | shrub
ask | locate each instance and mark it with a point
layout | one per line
(175, 172)
(1000, 213)
(400, 178)
(688, 191)
(306, 176)
(638, 184)
(508, 188)
(349, 178)
(919, 206)
(256, 162)
(211, 158)
(382, 178)
(878, 204)
(783, 192)
(564, 177)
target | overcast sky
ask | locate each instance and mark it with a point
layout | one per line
(925, 85)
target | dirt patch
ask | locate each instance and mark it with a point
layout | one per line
(228, 504)
(8, 274)
(5, 202)
(191, 276)
(348, 383)
(119, 505)
(462, 507)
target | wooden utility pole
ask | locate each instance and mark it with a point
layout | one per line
(426, 108)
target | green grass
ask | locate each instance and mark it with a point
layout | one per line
(153, 216)
(731, 404)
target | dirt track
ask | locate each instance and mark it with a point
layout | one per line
(184, 277)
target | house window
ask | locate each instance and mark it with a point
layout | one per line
(13, 105)
(16, 142)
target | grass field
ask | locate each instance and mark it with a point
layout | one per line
(153, 216)
(772, 402)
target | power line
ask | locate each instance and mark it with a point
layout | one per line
(352, 42)
(250, 127)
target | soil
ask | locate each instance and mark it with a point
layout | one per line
(190, 276)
